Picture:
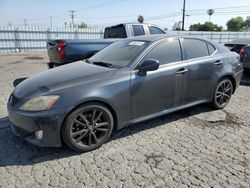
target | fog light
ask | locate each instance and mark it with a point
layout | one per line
(39, 134)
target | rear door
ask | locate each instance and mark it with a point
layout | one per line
(204, 69)
(159, 90)
(138, 30)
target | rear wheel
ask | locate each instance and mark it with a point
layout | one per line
(222, 94)
(88, 127)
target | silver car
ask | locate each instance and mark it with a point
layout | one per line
(130, 81)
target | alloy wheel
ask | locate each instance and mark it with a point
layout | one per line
(223, 93)
(90, 127)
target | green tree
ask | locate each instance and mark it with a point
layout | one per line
(140, 19)
(82, 25)
(247, 23)
(235, 24)
(207, 26)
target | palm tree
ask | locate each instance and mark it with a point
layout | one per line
(210, 12)
(140, 19)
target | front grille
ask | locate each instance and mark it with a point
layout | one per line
(13, 100)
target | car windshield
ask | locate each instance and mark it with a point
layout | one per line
(119, 54)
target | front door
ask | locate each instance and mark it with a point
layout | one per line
(160, 89)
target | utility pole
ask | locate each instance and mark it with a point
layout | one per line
(50, 18)
(72, 16)
(183, 15)
(25, 22)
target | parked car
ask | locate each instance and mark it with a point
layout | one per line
(242, 47)
(62, 52)
(130, 81)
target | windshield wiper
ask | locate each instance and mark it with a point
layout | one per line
(104, 64)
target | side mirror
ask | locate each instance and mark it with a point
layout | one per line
(148, 65)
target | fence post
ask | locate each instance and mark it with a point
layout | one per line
(212, 35)
(48, 34)
(220, 38)
(16, 40)
(76, 34)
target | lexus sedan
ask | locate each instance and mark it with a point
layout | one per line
(130, 81)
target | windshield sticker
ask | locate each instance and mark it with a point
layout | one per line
(136, 43)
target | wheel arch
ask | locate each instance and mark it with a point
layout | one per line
(231, 78)
(96, 101)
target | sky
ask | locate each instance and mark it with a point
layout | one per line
(109, 12)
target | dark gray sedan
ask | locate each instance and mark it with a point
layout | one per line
(130, 81)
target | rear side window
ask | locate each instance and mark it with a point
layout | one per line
(154, 30)
(211, 48)
(115, 32)
(166, 52)
(195, 48)
(138, 30)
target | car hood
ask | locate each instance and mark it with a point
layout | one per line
(62, 77)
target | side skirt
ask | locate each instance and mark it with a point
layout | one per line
(164, 112)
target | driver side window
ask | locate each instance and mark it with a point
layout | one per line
(167, 52)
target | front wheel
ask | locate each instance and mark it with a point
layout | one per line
(222, 94)
(88, 127)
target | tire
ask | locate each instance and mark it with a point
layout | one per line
(50, 65)
(222, 94)
(88, 127)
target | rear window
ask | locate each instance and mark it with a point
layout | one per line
(195, 48)
(138, 30)
(211, 48)
(154, 30)
(115, 32)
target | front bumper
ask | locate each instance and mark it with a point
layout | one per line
(39, 128)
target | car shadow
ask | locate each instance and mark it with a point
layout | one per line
(16, 151)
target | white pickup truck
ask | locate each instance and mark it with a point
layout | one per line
(62, 51)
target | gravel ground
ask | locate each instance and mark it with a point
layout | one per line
(195, 147)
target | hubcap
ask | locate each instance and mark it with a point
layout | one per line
(223, 93)
(90, 127)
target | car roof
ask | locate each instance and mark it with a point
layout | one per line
(158, 37)
(152, 38)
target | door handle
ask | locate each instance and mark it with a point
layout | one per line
(218, 63)
(181, 71)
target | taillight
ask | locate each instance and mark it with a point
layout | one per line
(60, 49)
(242, 52)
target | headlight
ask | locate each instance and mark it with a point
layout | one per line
(39, 103)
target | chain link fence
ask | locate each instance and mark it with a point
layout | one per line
(23, 39)
(220, 37)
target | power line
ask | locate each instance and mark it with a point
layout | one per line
(239, 10)
(101, 5)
